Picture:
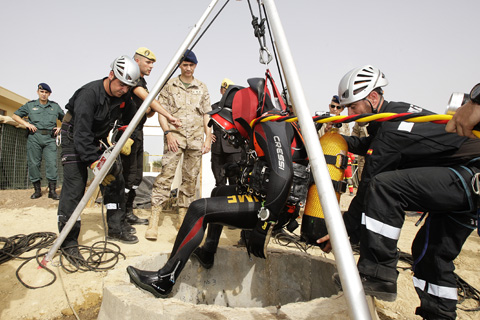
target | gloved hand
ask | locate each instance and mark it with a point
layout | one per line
(108, 178)
(259, 238)
(127, 147)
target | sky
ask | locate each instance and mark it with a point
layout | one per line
(426, 49)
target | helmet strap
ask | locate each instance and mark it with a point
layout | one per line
(110, 84)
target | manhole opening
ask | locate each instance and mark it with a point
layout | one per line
(236, 281)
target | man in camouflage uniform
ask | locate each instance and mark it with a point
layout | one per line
(188, 100)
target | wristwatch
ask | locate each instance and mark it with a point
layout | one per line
(263, 213)
(475, 94)
(166, 132)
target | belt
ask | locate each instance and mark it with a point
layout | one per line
(44, 131)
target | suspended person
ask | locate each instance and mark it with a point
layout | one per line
(133, 163)
(186, 98)
(415, 167)
(92, 112)
(42, 131)
(223, 153)
(278, 145)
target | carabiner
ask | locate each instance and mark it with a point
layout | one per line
(476, 183)
(264, 50)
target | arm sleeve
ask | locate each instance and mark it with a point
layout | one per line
(83, 135)
(22, 111)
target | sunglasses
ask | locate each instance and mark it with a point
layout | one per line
(335, 107)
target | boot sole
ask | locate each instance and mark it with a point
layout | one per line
(139, 284)
(203, 264)
(137, 223)
(380, 295)
(122, 241)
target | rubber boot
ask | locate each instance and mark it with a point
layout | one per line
(152, 229)
(52, 185)
(181, 215)
(37, 185)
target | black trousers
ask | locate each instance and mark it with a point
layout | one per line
(219, 160)
(75, 175)
(443, 193)
(133, 169)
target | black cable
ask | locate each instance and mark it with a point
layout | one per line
(284, 91)
(195, 43)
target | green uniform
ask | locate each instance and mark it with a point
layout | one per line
(44, 117)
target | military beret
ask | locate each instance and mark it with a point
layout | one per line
(144, 52)
(44, 86)
(189, 56)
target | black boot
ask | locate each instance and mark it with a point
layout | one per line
(37, 185)
(126, 227)
(123, 236)
(52, 185)
(73, 255)
(160, 287)
(380, 289)
(133, 219)
(204, 257)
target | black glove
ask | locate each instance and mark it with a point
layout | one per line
(259, 238)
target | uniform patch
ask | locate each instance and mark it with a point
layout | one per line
(196, 91)
(414, 109)
(370, 151)
(405, 126)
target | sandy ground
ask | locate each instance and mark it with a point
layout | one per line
(83, 290)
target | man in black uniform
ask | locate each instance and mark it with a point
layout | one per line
(278, 145)
(133, 163)
(415, 167)
(222, 151)
(92, 112)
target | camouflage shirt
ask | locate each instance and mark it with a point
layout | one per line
(189, 105)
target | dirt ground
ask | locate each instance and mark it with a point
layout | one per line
(82, 291)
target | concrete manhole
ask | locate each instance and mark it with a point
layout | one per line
(288, 285)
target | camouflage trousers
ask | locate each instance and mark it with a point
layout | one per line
(163, 182)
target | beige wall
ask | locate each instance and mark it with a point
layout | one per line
(10, 101)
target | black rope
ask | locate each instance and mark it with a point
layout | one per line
(198, 39)
(284, 88)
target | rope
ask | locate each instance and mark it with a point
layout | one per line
(366, 117)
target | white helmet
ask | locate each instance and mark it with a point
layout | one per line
(126, 70)
(359, 82)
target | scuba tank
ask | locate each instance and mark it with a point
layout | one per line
(313, 221)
